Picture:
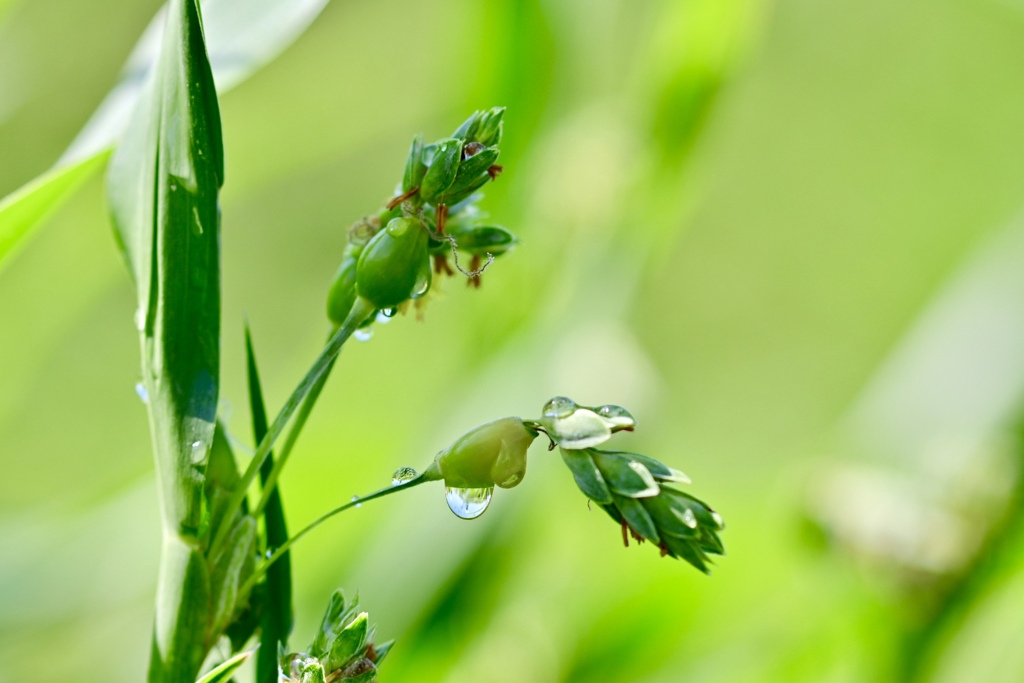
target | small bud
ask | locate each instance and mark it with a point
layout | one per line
(349, 645)
(444, 166)
(491, 454)
(343, 291)
(471, 175)
(414, 166)
(311, 671)
(482, 126)
(394, 267)
(489, 132)
(483, 239)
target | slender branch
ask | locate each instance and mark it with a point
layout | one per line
(269, 486)
(355, 502)
(361, 310)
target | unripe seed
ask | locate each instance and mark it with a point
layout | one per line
(491, 454)
(394, 266)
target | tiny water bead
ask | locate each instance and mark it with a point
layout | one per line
(422, 283)
(617, 416)
(468, 503)
(355, 500)
(402, 475)
(559, 407)
(363, 334)
(689, 519)
(140, 389)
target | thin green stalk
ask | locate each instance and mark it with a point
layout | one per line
(361, 310)
(270, 483)
(355, 502)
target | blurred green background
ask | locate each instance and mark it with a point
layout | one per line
(787, 235)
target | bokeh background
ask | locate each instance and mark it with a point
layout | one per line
(787, 235)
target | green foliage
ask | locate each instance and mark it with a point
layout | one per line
(22, 211)
(277, 621)
(164, 182)
(223, 672)
(342, 649)
(244, 41)
(631, 487)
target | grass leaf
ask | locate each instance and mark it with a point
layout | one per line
(277, 622)
(25, 209)
(243, 36)
(222, 673)
(163, 188)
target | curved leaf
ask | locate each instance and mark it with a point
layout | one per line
(243, 36)
(163, 188)
(222, 673)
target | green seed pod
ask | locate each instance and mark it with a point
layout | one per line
(394, 267)
(484, 239)
(443, 167)
(414, 166)
(491, 454)
(343, 291)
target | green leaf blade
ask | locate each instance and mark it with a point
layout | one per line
(277, 620)
(25, 209)
(223, 672)
(163, 183)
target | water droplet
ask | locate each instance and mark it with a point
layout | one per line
(718, 520)
(354, 499)
(363, 334)
(617, 416)
(197, 444)
(269, 553)
(468, 503)
(140, 389)
(140, 319)
(422, 283)
(381, 318)
(402, 475)
(689, 519)
(559, 407)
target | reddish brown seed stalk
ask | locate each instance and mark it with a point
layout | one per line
(402, 197)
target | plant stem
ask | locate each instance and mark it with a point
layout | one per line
(270, 484)
(355, 502)
(361, 310)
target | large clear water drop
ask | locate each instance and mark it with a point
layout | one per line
(559, 407)
(468, 503)
(402, 475)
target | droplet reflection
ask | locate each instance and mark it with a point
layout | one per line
(468, 503)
